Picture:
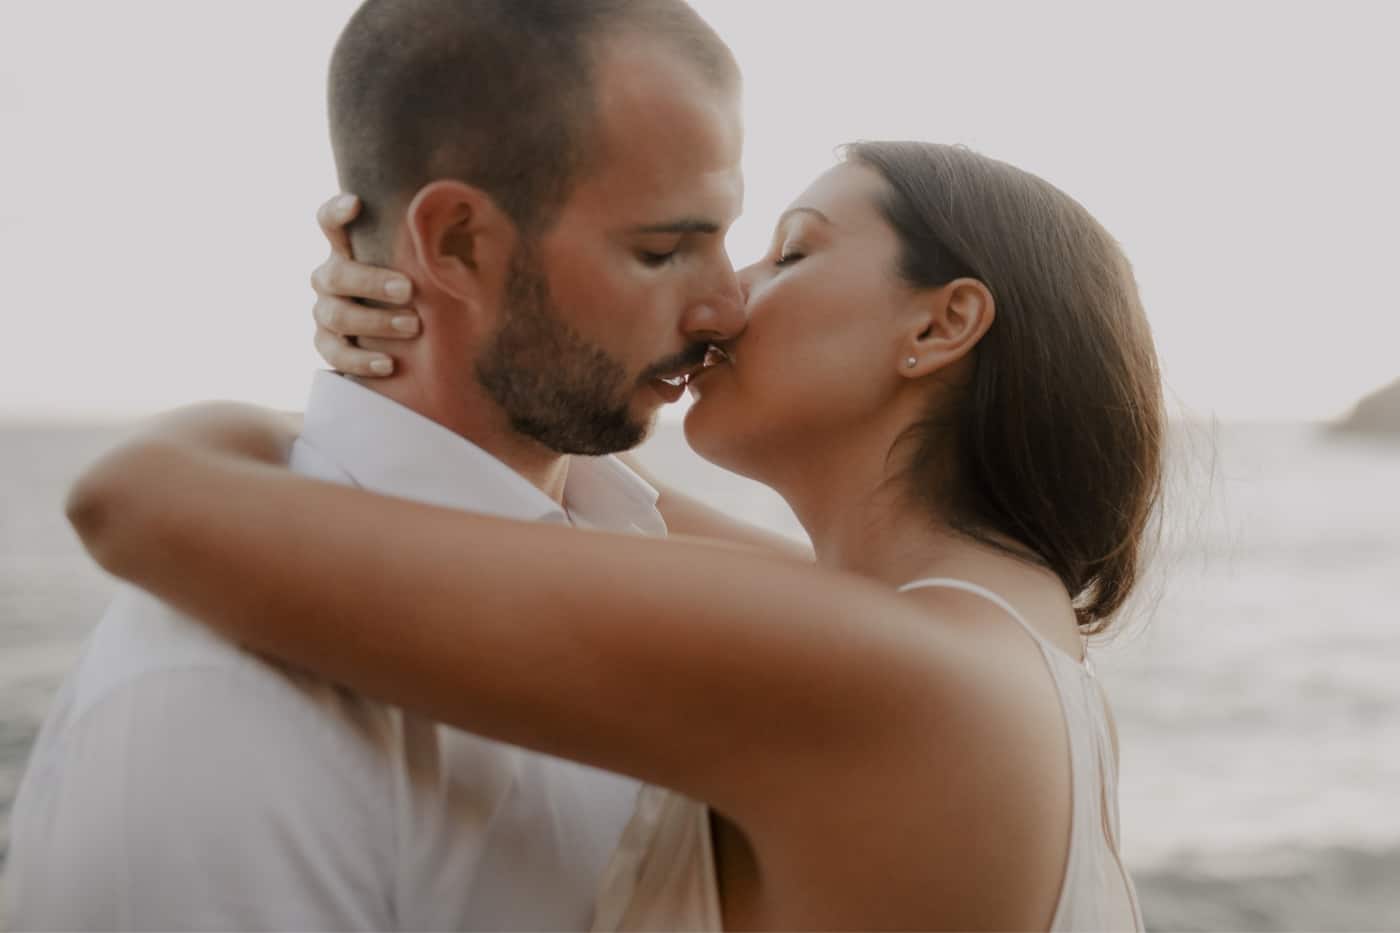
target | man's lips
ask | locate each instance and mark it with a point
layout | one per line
(672, 384)
(714, 355)
(678, 377)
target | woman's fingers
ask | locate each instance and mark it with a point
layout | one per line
(333, 217)
(340, 274)
(348, 319)
(342, 357)
(349, 279)
(339, 280)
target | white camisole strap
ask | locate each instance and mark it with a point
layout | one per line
(970, 587)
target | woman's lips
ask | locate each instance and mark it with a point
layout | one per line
(714, 359)
(715, 355)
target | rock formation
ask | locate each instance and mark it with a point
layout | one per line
(1376, 414)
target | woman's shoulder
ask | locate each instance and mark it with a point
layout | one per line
(965, 784)
(986, 660)
(958, 644)
(935, 691)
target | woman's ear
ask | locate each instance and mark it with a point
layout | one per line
(945, 324)
(460, 240)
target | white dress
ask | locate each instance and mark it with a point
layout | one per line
(662, 876)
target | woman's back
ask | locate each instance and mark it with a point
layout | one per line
(663, 875)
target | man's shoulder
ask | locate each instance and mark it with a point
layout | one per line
(309, 460)
(140, 638)
(144, 644)
(173, 754)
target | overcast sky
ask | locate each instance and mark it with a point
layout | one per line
(162, 160)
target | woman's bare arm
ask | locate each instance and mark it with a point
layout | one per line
(680, 663)
(228, 427)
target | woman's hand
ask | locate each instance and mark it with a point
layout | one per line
(340, 318)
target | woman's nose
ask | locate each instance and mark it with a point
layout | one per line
(747, 278)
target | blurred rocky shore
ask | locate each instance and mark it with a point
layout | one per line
(1376, 415)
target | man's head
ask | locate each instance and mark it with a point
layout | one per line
(557, 176)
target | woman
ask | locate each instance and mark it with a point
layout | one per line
(949, 377)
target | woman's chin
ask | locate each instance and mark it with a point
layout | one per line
(709, 433)
(739, 447)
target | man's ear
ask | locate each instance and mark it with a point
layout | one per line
(461, 241)
(944, 325)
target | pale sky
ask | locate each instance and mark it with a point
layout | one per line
(162, 160)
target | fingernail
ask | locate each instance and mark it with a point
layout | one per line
(405, 323)
(381, 367)
(398, 289)
(345, 202)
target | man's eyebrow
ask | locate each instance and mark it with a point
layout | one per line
(787, 214)
(680, 225)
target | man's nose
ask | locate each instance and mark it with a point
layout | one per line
(720, 315)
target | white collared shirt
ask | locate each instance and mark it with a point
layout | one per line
(180, 782)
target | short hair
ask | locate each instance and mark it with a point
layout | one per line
(499, 94)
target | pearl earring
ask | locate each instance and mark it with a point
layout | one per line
(911, 362)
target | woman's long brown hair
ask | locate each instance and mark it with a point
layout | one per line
(1053, 448)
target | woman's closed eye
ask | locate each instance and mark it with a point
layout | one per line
(788, 257)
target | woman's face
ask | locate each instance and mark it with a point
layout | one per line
(821, 350)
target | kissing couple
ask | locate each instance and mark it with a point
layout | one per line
(438, 654)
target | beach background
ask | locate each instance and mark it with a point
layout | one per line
(1255, 682)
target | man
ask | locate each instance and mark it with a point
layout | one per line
(555, 178)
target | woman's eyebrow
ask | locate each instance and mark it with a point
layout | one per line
(790, 212)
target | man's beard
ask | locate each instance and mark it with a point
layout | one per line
(553, 385)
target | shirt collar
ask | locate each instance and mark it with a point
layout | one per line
(388, 448)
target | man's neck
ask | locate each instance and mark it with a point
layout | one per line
(479, 420)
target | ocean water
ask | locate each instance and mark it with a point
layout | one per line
(1256, 681)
